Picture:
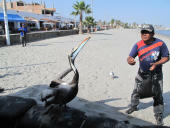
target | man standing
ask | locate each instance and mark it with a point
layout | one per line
(23, 31)
(152, 53)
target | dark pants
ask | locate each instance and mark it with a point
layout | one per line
(148, 85)
(23, 40)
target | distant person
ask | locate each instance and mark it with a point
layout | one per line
(152, 53)
(23, 32)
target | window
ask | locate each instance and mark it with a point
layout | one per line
(20, 4)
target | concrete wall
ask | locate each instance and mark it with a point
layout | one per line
(35, 36)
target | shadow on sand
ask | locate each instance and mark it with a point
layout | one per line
(10, 74)
(44, 44)
(27, 65)
(100, 33)
(166, 96)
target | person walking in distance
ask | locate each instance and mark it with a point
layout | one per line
(152, 53)
(23, 32)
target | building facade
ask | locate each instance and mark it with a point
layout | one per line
(27, 7)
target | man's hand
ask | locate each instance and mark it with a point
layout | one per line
(131, 60)
(153, 66)
(161, 61)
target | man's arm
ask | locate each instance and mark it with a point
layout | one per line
(20, 30)
(131, 60)
(132, 55)
(161, 61)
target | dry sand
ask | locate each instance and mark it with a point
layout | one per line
(26, 71)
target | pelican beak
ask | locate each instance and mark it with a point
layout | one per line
(77, 49)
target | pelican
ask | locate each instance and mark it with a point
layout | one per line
(60, 92)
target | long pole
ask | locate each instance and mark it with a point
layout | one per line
(92, 8)
(75, 22)
(92, 13)
(6, 23)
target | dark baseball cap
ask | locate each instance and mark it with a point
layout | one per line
(147, 27)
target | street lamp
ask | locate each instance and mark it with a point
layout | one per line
(92, 7)
(6, 23)
(92, 13)
(75, 24)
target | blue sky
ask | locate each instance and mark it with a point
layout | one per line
(156, 12)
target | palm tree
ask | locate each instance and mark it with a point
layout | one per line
(81, 7)
(118, 23)
(89, 21)
(112, 22)
(126, 25)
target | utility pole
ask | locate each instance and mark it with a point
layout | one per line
(6, 23)
(10, 5)
(92, 13)
(44, 8)
(92, 8)
(75, 22)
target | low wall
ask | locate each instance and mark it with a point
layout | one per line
(35, 36)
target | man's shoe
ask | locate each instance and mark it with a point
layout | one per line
(131, 109)
(159, 119)
(159, 123)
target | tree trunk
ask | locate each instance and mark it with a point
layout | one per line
(88, 30)
(81, 27)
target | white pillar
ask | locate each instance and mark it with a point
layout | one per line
(18, 25)
(15, 25)
(6, 23)
(38, 25)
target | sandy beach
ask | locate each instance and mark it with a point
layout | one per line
(26, 71)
